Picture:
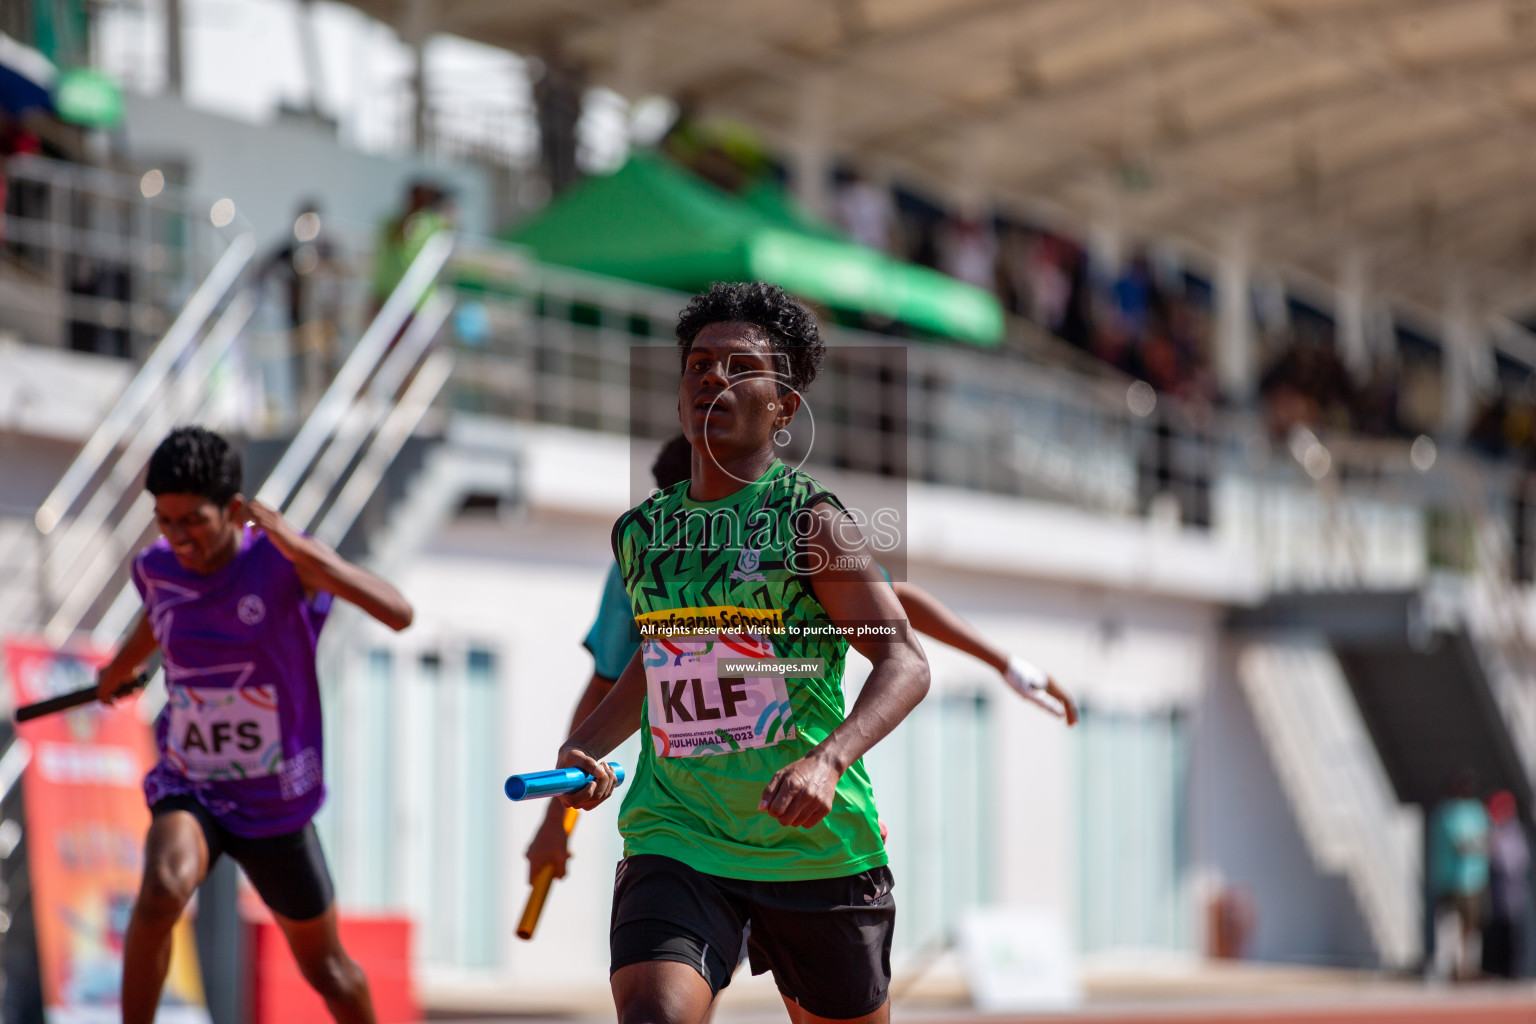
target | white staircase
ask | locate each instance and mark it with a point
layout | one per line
(1335, 782)
(65, 572)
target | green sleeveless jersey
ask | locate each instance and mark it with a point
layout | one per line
(714, 584)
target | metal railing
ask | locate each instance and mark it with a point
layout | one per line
(90, 520)
(100, 261)
(1334, 780)
(342, 449)
(59, 578)
(542, 344)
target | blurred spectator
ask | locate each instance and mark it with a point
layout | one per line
(1308, 386)
(14, 140)
(401, 239)
(1509, 861)
(866, 212)
(1487, 433)
(1376, 401)
(1049, 274)
(24, 198)
(1132, 298)
(1458, 873)
(968, 251)
(307, 269)
(727, 153)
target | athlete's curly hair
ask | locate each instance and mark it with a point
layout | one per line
(194, 460)
(789, 325)
(674, 463)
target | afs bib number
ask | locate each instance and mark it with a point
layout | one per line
(222, 733)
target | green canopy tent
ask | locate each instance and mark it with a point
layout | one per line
(655, 223)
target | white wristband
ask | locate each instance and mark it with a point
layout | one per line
(1024, 677)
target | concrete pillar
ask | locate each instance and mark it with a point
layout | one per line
(1107, 245)
(174, 61)
(414, 32)
(557, 95)
(1467, 364)
(309, 49)
(974, 151)
(1236, 355)
(419, 115)
(632, 69)
(1351, 311)
(220, 941)
(812, 144)
(1106, 249)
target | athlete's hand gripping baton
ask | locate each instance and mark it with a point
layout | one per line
(533, 785)
(65, 701)
(542, 880)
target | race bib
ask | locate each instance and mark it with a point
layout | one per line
(223, 733)
(695, 713)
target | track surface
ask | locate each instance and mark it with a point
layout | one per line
(1432, 1008)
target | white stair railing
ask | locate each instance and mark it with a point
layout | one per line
(1337, 786)
(338, 439)
(102, 537)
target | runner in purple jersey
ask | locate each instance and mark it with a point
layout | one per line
(236, 610)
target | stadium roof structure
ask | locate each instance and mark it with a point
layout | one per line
(1402, 130)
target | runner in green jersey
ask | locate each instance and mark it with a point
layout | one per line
(751, 805)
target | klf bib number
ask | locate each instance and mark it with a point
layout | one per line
(695, 713)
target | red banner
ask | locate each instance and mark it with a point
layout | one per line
(85, 827)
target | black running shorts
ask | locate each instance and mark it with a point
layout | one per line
(827, 940)
(287, 871)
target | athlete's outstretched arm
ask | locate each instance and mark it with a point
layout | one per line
(614, 721)
(801, 794)
(932, 617)
(136, 649)
(320, 568)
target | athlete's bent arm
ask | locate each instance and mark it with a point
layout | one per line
(135, 650)
(550, 845)
(611, 723)
(800, 794)
(320, 568)
(932, 617)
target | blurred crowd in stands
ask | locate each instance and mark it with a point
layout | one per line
(1148, 317)
(1142, 312)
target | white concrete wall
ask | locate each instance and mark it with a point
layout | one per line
(269, 169)
(530, 588)
(1137, 630)
(1246, 835)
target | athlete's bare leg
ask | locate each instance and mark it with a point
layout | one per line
(316, 946)
(175, 864)
(799, 1015)
(660, 992)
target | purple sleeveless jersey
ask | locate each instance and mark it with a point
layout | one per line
(241, 726)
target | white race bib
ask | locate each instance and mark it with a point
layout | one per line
(224, 733)
(695, 713)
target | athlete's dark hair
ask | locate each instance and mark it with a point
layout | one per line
(674, 463)
(193, 460)
(789, 325)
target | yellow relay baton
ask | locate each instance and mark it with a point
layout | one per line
(541, 882)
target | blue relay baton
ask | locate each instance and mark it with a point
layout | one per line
(533, 785)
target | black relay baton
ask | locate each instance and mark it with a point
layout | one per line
(65, 701)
